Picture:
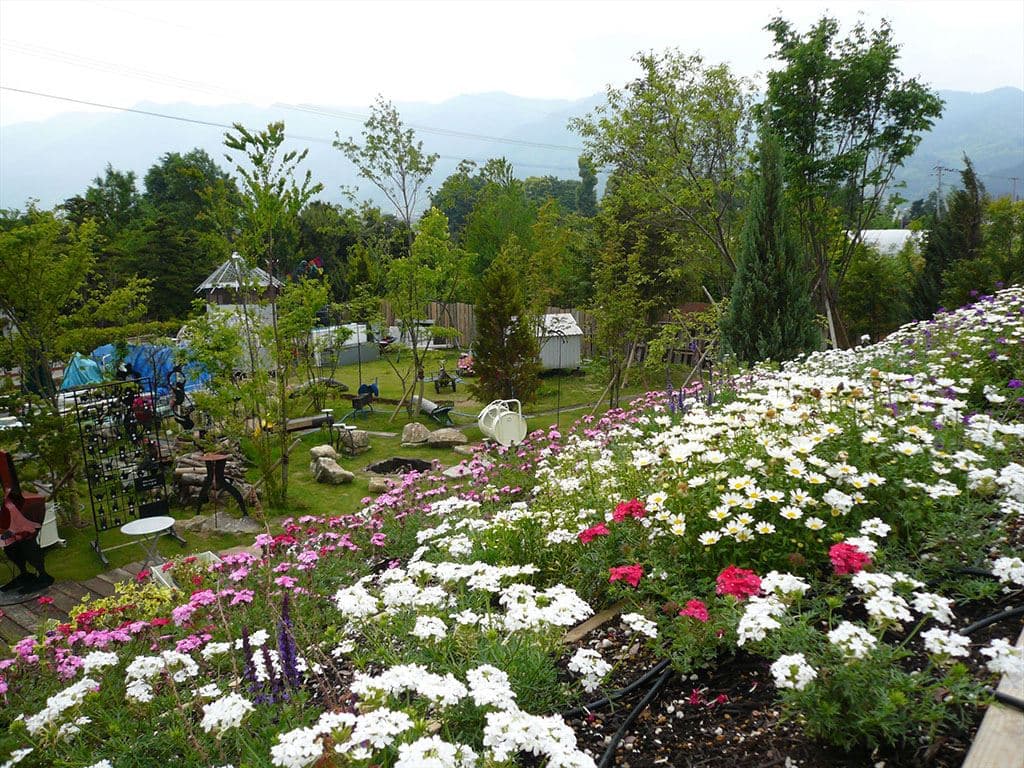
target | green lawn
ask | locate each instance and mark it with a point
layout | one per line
(77, 561)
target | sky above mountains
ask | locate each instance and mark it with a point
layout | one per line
(345, 53)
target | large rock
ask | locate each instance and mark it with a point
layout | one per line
(360, 440)
(415, 433)
(194, 523)
(323, 452)
(466, 450)
(328, 471)
(379, 484)
(447, 437)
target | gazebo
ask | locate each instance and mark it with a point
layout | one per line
(234, 282)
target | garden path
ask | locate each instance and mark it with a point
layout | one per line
(22, 619)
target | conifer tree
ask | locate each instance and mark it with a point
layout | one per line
(770, 315)
(505, 354)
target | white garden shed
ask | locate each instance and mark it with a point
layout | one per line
(561, 342)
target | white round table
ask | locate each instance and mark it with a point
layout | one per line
(149, 530)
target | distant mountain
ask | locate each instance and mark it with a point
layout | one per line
(58, 158)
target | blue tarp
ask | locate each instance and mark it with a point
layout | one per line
(80, 371)
(152, 365)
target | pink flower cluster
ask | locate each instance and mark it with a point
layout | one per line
(631, 574)
(738, 582)
(847, 559)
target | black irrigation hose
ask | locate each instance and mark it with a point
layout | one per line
(615, 695)
(1010, 701)
(995, 618)
(609, 754)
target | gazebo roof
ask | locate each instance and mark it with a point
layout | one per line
(236, 274)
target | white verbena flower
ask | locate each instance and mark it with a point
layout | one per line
(945, 643)
(225, 713)
(852, 640)
(793, 671)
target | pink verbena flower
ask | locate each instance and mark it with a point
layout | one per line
(738, 582)
(846, 558)
(631, 574)
(593, 532)
(695, 609)
(632, 508)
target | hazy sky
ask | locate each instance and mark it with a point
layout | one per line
(344, 53)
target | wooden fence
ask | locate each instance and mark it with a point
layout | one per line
(462, 318)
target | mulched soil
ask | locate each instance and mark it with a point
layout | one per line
(728, 717)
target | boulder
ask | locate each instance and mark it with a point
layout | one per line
(459, 470)
(360, 440)
(466, 450)
(194, 523)
(327, 470)
(415, 433)
(379, 484)
(447, 437)
(323, 452)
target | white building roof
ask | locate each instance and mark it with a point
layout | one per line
(560, 324)
(235, 273)
(889, 242)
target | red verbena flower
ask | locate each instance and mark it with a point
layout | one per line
(846, 558)
(632, 508)
(44, 600)
(695, 609)
(631, 574)
(738, 582)
(593, 532)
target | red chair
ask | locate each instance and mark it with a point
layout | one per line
(21, 517)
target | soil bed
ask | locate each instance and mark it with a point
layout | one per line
(728, 717)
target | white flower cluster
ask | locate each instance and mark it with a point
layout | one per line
(945, 644)
(434, 752)
(793, 671)
(97, 660)
(142, 669)
(590, 666)
(59, 703)
(1004, 659)
(511, 731)
(430, 628)
(225, 713)
(758, 618)
(443, 691)
(1009, 570)
(355, 602)
(526, 608)
(489, 687)
(640, 624)
(784, 585)
(301, 747)
(853, 641)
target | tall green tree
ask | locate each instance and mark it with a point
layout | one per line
(676, 139)
(586, 193)
(502, 211)
(770, 314)
(274, 191)
(956, 238)
(391, 159)
(505, 353)
(847, 118)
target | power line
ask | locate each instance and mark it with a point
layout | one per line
(66, 57)
(211, 124)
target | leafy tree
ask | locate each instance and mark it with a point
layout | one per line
(391, 159)
(329, 232)
(586, 193)
(999, 261)
(412, 283)
(457, 195)
(271, 200)
(176, 186)
(956, 238)
(505, 354)
(502, 210)
(541, 189)
(46, 265)
(770, 314)
(112, 201)
(876, 296)
(676, 139)
(847, 119)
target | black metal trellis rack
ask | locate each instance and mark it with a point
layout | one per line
(119, 429)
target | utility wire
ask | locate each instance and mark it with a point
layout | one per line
(211, 124)
(66, 57)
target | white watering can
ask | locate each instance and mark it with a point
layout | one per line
(501, 423)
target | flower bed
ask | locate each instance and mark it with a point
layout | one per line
(790, 541)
